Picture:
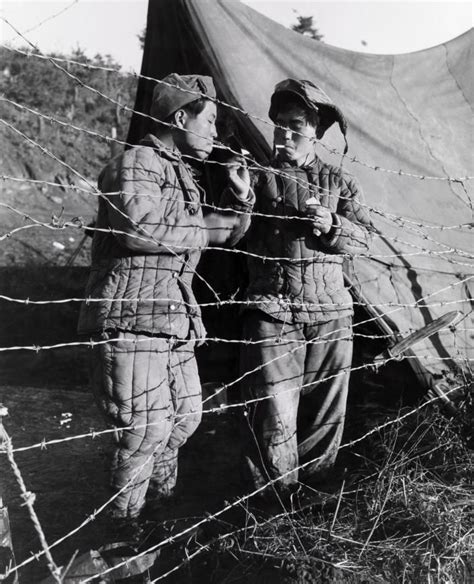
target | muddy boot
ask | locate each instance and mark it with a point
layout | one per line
(119, 560)
(129, 565)
(125, 550)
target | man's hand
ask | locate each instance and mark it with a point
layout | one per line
(220, 226)
(322, 217)
(239, 177)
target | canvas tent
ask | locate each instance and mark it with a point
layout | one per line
(410, 146)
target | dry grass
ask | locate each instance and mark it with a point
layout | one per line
(403, 515)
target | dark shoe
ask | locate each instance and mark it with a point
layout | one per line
(123, 530)
(270, 502)
(159, 507)
(130, 566)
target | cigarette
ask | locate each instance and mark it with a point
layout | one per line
(224, 147)
(279, 146)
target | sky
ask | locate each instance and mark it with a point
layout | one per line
(111, 26)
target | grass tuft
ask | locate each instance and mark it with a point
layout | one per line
(404, 515)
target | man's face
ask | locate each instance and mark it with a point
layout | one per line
(295, 141)
(198, 132)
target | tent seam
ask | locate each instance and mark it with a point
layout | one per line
(422, 136)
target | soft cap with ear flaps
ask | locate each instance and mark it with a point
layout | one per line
(315, 99)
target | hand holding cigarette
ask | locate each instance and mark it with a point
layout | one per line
(238, 175)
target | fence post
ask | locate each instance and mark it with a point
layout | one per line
(7, 557)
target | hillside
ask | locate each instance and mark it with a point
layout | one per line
(54, 130)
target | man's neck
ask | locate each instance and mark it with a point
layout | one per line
(165, 137)
(307, 160)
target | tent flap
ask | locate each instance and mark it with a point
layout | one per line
(410, 146)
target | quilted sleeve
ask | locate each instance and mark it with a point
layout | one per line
(146, 214)
(352, 227)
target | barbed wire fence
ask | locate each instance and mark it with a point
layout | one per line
(440, 250)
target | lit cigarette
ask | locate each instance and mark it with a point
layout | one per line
(279, 146)
(223, 147)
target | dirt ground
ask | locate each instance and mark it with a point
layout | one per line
(69, 478)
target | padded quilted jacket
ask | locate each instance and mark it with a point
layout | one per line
(298, 276)
(141, 273)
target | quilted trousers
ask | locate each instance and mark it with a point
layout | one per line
(148, 389)
(299, 373)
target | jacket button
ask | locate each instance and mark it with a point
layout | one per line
(172, 306)
(174, 275)
(274, 204)
(279, 199)
(276, 231)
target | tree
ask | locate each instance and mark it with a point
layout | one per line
(34, 82)
(141, 38)
(305, 26)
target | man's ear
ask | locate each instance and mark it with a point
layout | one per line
(180, 118)
(320, 130)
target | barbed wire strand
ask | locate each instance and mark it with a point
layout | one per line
(251, 164)
(421, 301)
(243, 303)
(255, 525)
(78, 223)
(93, 515)
(239, 379)
(139, 228)
(395, 218)
(28, 501)
(92, 343)
(274, 518)
(44, 21)
(57, 223)
(383, 214)
(226, 386)
(93, 434)
(157, 120)
(55, 60)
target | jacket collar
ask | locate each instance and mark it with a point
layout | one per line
(172, 154)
